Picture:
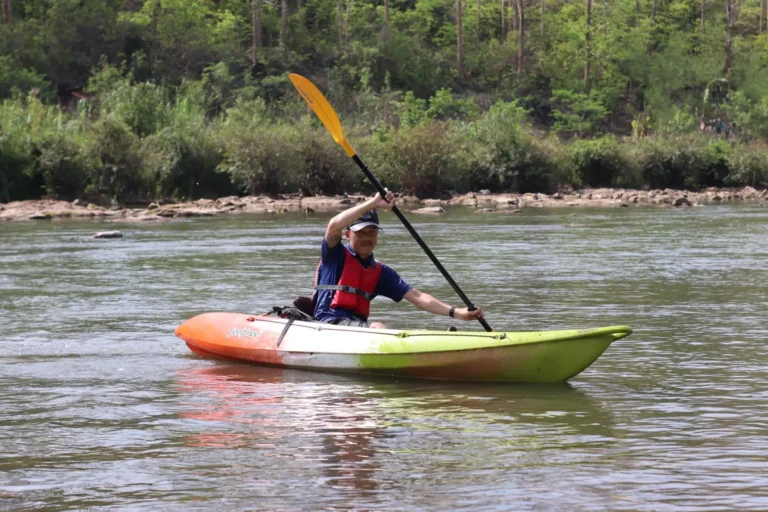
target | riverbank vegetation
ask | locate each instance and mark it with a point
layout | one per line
(137, 100)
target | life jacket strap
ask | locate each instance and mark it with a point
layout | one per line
(349, 289)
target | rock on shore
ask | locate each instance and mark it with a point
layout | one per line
(607, 197)
(51, 209)
(47, 209)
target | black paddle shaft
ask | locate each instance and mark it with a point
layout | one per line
(415, 235)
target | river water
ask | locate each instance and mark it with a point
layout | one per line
(101, 407)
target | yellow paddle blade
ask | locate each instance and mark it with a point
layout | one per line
(322, 108)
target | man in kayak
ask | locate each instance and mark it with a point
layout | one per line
(348, 277)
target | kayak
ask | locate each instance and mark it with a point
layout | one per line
(546, 356)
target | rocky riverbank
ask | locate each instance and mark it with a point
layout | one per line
(484, 202)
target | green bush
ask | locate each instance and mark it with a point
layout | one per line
(748, 165)
(262, 161)
(181, 160)
(15, 158)
(422, 160)
(600, 163)
(716, 169)
(117, 171)
(669, 163)
(16, 154)
(577, 113)
(259, 154)
(106, 79)
(679, 122)
(326, 167)
(692, 162)
(42, 151)
(750, 118)
(496, 144)
(501, 155)
(145, 108)
(412, 110)
(182, 163)
(63, 163)
(553, 170)
(15, 79)
(444, 105)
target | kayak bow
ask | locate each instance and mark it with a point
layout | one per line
(546, 356)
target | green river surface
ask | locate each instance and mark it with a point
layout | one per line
(103, 408)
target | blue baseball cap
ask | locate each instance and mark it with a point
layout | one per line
(370, 218)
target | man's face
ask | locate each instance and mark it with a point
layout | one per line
(364, 241)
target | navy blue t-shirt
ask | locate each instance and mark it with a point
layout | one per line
(390, 284)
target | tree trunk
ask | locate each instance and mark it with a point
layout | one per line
(516, 18)
(503, 21)
(521, 38)
(256, 41)
(7, 12)
(283, 21)
(477, 4)
(541, 5)
(386, 13)
(340, 22)
(459, 41)
(704, 18)
(346, 22)
(763, 8)
(653, 12)
(728, 42)
(588, 41)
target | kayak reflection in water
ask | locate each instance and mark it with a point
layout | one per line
(348, 277)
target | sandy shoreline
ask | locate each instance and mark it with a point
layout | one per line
(47, 209)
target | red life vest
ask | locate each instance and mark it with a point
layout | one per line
(356, 286)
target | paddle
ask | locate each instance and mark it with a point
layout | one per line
(327, 115)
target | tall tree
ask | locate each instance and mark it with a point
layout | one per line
(503, 20)
(7, 12)
(728, 41)
(459, 41)
(386, 14)
(283, 21)
(477, 6)
(521, 35)
(256, 39)
(340, 22)
(704, 19)
(346, 20)
(516, 17)
(588, 43)
(763, 9)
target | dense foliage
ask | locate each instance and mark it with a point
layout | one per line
(133, 100)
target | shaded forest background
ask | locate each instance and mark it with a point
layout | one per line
(130, 100)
